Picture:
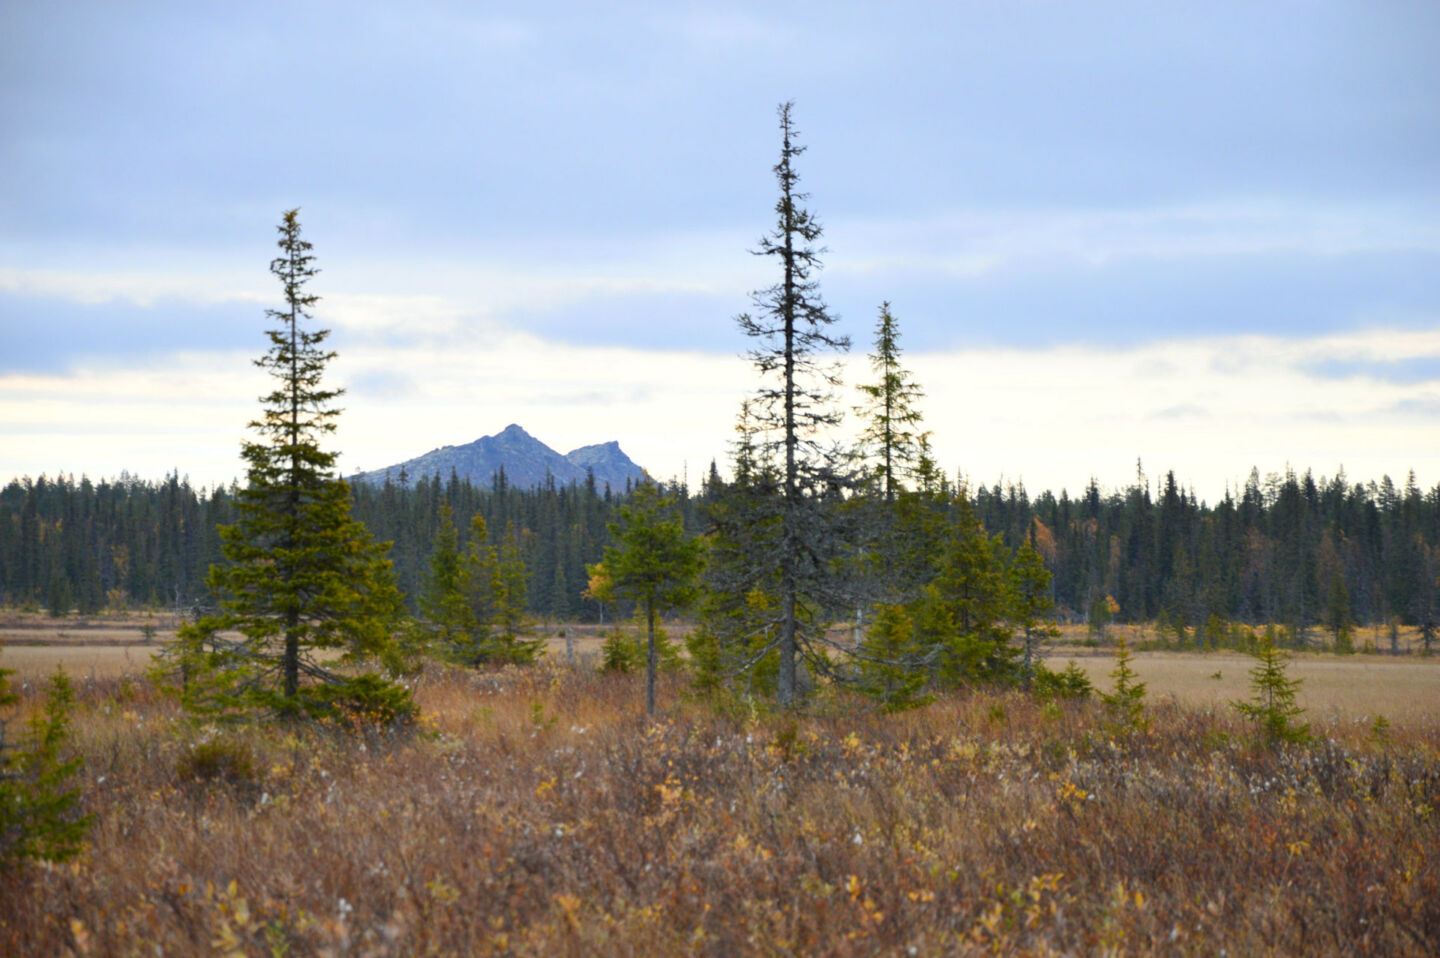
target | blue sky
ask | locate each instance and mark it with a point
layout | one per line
(1207, 236)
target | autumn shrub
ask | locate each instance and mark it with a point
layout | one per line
(226, 761)
(852, 832)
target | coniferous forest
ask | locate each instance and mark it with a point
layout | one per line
(1290, 549)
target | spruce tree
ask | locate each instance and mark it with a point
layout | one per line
(886, 658)
(792, 407)
(1030, 586)
(653, 563)
(39, 812)
(891, 436)
(1126, 703)
(963, 613)
(303, 578)
(448, 618)
(1272, 705)
(513, 636)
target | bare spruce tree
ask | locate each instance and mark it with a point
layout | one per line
(791, 410)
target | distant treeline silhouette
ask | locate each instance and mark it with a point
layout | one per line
(1288, 549)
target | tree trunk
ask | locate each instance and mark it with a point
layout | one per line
(651, 660)
(785, 689)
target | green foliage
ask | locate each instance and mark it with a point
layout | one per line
(791, 409)
(362, 703)
(302, 577)
(1069, 683)
(513, 640)
(890, 437)
(1102, 610)
(963, 616)
(1126, 704)
(621, 652)
(1337, 615)
(448, 618)
(39, 815)
(1272, 706)
(653, 563)
(886, 657)
(624, 651)
(474, 605)
(1030, 587)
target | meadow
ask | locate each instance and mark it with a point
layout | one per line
(536, 812)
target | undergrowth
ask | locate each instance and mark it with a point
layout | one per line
(538, 813)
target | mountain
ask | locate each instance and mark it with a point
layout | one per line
(525, 459)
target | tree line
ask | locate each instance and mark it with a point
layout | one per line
(1288, 549)
(70, 544)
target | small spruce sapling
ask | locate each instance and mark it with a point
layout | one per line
(1126, 704)
(1272, 706)
(39, 817)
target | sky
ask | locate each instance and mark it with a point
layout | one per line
(1201, 236)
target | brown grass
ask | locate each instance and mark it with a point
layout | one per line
(1336, 687)
(540, 814)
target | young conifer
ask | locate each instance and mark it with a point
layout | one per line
(1272, 705)
(891, 436)
(653, 563)
(1126, 703)
(303, 577)
(39, 811)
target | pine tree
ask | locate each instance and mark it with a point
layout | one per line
(792, 406)
(654, 563)
(1272, 706)
(1030, 586)
(303, 576)
(891, 434)
(1127, 702)
(39, 816)
(886, 661)
(449, 619)
(513, 636)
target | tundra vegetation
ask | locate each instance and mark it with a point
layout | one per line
(862, 750)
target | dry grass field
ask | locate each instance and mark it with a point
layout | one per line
(1357, 687)
(1354, 686)
(536, 812)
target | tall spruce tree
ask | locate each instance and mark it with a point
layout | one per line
(792, 407)
(891, 434)
(303, 577)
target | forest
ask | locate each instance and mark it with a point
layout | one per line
(1285, 548)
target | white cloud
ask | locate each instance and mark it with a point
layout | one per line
(971, 244)
(1207, 408)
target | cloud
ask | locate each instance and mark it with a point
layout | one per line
(1052, 417)
(53, 335)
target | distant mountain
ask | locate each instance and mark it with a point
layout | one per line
(525, 459)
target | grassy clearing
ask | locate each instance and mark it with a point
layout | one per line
(540, 814)
(1356, 687)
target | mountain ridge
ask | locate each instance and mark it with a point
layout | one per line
(526, 461)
